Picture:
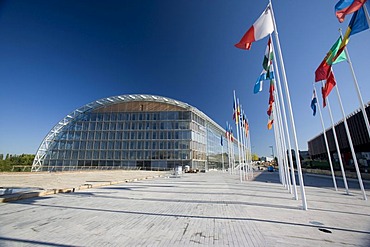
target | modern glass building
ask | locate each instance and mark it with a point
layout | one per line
(132, 131)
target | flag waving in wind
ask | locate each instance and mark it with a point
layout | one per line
(322, 72)
(313, 103)
(267, 72)
(346, 7)
(357, 24)
(260, 29)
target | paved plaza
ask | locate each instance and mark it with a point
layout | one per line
(204, 209)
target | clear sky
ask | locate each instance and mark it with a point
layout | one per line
(56, 56)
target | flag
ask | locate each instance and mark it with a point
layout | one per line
(272, 89)
(267, 59)
(329, 85)
(267, 72)
(346, 7)
(322, 72)
(357, 24)
(259, 83)
(313, 103)
(222, 143)
(270, 121)
(260, 29)
(236, 112)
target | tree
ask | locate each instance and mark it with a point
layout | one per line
(255, 157)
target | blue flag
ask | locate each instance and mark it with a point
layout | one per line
(313, 103)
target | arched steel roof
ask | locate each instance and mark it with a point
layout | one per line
(58, 128)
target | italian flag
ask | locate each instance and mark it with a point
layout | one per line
(260, 29)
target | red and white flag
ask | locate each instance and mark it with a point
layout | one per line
(260, 29)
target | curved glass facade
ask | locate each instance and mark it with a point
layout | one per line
(136, 132)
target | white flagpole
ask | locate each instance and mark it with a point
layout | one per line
(287, 136)
(326, 140)
(228, 146)
(357, 88)
(366, 14)
(300, 176)
(222, 155)
(237, 133)
(241, 142)
(351, 146)
(283, 145)
(337, 145)
(280, 146)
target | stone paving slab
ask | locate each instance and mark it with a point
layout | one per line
(207, 209)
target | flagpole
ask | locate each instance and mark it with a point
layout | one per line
(222, 155)
(279, 144)
(282, 156)
(357, 88)
(351, 146)
(287, 136)
(237, 134)
(337, 145)
(326, 140)
(366, 14)
(300, 176)
(283, 148)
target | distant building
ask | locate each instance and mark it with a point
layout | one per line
(132, 131)
(267, 159)
(358, 132)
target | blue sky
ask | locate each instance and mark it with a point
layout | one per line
(57, 56)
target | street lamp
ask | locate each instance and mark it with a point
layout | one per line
(272, 148)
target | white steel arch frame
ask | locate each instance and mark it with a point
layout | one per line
(59, 127)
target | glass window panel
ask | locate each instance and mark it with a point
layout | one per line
(120, 126)
(84, 135)
(90, 135)
(96, 155)
(92, 126)
(132, 144)
(110, 154)
(104, 135)
(92, 116)
(99, 117)
(83, 145)
(106, 116)
(96, 145)
(126, 135)
(119, 135)
(103, 155)
(76, 145)
(147, 154)
(89, 155)
(103, 145)
(106, 126)
(112, 135)
(124, 145)
(140, 135)
(111, 145)
(140, 155)
(85, 126)
(132, 154)
(74, 155)
(81, 155)
(133, 116)
(113, 117)
(133, 135)
(124, 154)
(127, 125)
(140, 145)
(99, 126)
(147, 145)
(117, 145)
(112, 126)
(117, 155)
